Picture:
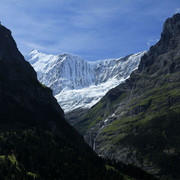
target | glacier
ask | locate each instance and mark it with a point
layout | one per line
(77, 83)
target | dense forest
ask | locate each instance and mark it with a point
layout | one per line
(41, 154)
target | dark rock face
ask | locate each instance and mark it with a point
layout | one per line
(9, 55)
(72, 116)
(170, 40)
(24, 102)
(137, 122)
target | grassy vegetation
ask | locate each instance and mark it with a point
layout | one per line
(157, 96)
(120, 98)
(151, 127)
(32, 175)
(101, 110)
(153, 101)
(44, 86)
(155, 137)
(90, 120)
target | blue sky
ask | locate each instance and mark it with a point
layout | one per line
(92, 29)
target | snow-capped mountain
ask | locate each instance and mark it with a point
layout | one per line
(77, 83)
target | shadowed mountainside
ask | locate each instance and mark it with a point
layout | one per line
(138, 122)
(35, 140)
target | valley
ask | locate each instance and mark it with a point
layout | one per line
(69, 118)
(136, 119)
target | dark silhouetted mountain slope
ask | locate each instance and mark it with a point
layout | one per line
(35, 140)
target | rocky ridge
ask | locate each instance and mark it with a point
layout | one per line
(77, 83)
(137, 122)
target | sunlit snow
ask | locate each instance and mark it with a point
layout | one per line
(77, 83)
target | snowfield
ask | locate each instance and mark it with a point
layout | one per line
(77, 83)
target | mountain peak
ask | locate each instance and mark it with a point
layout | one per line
(34, 51)
(12, 59)
(171, 27)
(4, 30)
(8, 46)
(78, 83)
(169, 42)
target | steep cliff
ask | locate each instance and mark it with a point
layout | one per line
(23, 100)
(77, 83)
(138, 122)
